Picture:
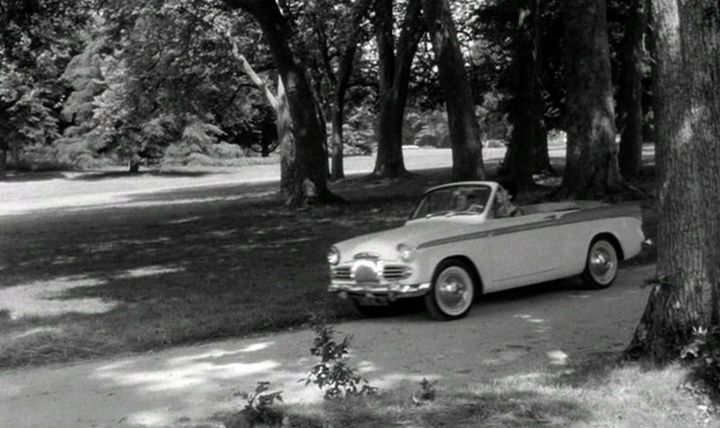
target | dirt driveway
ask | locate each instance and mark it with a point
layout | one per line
(522, 331)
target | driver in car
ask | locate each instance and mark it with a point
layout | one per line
(503, 206)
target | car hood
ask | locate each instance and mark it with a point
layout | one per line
(384, 244)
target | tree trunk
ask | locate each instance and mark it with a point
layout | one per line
(15, 153)
(337, 170)
(465, 137)
(347, 58)
(3, 159)
(305, 171)
(526, 110)
(541, 155)
(591, 161)
(134, 165)
(686, 84)
(393, 77)
(630, 107)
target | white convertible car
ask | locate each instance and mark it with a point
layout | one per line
(466, 239)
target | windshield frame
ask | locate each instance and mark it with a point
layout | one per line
(452, 191)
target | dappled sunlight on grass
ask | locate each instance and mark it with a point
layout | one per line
(558, 357)
(158, 417)
(501, 357)
(36, 330)
(222, 233)
(191, 374)
(49, 298)
(217, 353)
(184, 220)
(147, 271)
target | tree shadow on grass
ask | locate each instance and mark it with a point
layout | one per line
(26, 177)
(104, 175)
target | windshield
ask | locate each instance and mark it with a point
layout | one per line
(463, 200)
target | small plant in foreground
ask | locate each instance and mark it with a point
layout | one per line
(703, 355)
(333, 374)
(427, 392)
(260, 406)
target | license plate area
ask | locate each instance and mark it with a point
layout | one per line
(373, 300)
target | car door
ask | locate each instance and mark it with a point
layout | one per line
(523, 250)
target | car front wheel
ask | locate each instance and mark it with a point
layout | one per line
(601, 267)
(452, 292)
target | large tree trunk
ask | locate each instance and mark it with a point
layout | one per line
(465, 135)
(526, 109)
(592, 164)
(686, 84)
(347, 58)
(630, 107)
(306, 172)
(393, 77)
(338, 113)
(541, 155)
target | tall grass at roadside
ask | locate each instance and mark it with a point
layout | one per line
(624, 396)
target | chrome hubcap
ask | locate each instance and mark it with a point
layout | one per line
(454, 290)
(603, 262)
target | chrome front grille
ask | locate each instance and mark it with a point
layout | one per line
(395, 272)
(366, 271)
(341, 272)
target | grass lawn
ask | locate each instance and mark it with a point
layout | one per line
(180, 267)
(612, 395)
(176, 268)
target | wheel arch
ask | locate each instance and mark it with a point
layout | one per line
(610, 237)
(479, 287)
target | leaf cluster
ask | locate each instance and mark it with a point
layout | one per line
(333, 374)
(261, 406)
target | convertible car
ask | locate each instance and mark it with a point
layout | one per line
(466, 239)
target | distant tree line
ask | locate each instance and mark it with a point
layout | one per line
(110, 81)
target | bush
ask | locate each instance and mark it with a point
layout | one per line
(224, 150)
(333, 374)
(703, 356)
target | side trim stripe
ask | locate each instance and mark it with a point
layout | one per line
(626, 210)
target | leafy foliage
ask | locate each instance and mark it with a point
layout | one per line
(703, 355)
(333, 374)
(261, 406)
(37, 39)
(427, 393)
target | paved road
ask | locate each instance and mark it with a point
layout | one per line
(523, 331)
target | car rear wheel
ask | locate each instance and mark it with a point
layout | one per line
(601, 267)
(452, 293)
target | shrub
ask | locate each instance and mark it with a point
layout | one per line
(333, 374)
(427, 393)
(703, 356)
(260, 407)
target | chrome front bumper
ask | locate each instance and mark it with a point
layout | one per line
(390, 290)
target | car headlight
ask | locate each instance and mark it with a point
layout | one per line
(333, 256)
(406, 253)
